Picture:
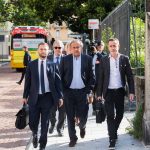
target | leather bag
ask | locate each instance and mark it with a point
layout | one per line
(22, 119)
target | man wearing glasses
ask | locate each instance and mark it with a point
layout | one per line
(58, 47)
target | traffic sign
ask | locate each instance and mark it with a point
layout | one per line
(93, 24)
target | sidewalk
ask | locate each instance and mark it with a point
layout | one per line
(96, 138)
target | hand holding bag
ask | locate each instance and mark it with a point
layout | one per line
(22, 119)
(100, 111)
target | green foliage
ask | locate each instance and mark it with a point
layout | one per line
(138, 8)
(135, 127)
(4, 15)
(22, 14)
(139, 26)
(18, 12)
(74, 12)
(107, 33)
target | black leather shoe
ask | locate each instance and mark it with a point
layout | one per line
(116, 136)
(51, 129)
(82, 133)
(60, 132)
(35, 141)
(112, 144)
(42, 148)
(18, 83)
(73, 142)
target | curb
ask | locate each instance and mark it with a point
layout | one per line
(3, 63)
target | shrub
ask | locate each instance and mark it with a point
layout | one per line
(135, 127)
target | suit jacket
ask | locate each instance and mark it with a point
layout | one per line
(99, 57)
(104, 75)
(51, 58)
(66, 70)
(31, 88)
(26, 59)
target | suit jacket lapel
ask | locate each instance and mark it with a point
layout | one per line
(120, 66)
(71, 66)
(37, 73)
(82, 64)
(108, 65)
(108, 69)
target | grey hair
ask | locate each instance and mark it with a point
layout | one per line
(58, 42)
(77, 41)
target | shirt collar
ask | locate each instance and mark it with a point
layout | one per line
(77, 58)
(57, 56)
(117, 56)
(44, 60)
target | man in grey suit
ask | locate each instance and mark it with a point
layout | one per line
(42, 90)
(113, 72)
(77, 81)
(58, 47)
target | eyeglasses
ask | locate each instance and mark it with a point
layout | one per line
(57, 47)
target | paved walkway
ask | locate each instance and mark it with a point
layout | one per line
(10, 103)
(96, 138)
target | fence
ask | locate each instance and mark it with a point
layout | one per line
(119, 23)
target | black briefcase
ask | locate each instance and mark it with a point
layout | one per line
(100, 112)
(22, 119)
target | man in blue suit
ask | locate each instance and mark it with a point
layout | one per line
(56, 57)
(42, 90)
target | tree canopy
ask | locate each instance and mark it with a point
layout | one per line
(74, 12)
(18, 12)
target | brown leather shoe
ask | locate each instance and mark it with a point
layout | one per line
(73, 142)
(82, 133)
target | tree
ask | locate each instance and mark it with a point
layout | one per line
(74, 12)
(18, 12)
(138, 8)
(3, 11)
(140, 43)
(22, 14)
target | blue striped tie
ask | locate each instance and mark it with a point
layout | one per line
(57, 60)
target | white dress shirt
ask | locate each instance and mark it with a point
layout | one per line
(46, 82)
(77, 82)
(55, 59)
(115, 77)
(94, 62)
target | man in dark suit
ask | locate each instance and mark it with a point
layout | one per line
(100, 48)
(77, 81)
(56, 58)
(26, 60)
(42, 90)
(96, 59)
(113, 72)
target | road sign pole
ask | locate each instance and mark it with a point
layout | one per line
(93, 35)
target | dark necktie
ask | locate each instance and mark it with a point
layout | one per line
(57, 60)
(42, 78)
